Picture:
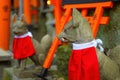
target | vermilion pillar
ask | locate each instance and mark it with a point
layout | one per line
(34, 3)
(34, 10)
(16, 4)
(58, 14)
(4, 24)
(27, 11)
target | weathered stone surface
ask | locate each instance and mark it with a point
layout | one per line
(8, 74)
(27, 73)
(4, 55)
(115, 54)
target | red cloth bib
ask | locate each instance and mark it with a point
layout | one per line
(23, 47)
(83, 65)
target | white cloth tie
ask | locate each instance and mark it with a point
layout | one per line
(95, 43)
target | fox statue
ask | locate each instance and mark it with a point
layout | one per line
(25, 46)
(87, 62)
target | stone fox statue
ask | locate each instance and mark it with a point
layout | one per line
(87, 62)
(25, 46)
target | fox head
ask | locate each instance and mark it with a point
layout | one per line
(19, 26)
(77, 30)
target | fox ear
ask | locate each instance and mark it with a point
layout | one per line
(14, 19)
(76, 16)
(22, 18)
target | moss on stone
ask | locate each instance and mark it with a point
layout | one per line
(6, 75)
(63, 54)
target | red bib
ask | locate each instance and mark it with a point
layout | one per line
(83, 65)
(23, 47)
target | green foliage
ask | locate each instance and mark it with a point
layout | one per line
(63, 54)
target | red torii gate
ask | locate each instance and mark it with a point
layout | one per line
(27, 8)
(61, 20)
(5, 8)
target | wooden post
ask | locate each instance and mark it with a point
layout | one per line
(58, 14)
(84, 12)
(96, 20)
(16, 4)
(4, 24)
(34, 3)
(27, 11)
(55, 42)
(34, 10)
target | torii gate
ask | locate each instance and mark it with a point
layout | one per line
(61, 20)
(26, 8)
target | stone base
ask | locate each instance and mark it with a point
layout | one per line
(26, 73)
(16, 74)
(8, 74)
(5, 55)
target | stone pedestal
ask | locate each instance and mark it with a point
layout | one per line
(5, 55)
(8, 74)
(16, 74)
